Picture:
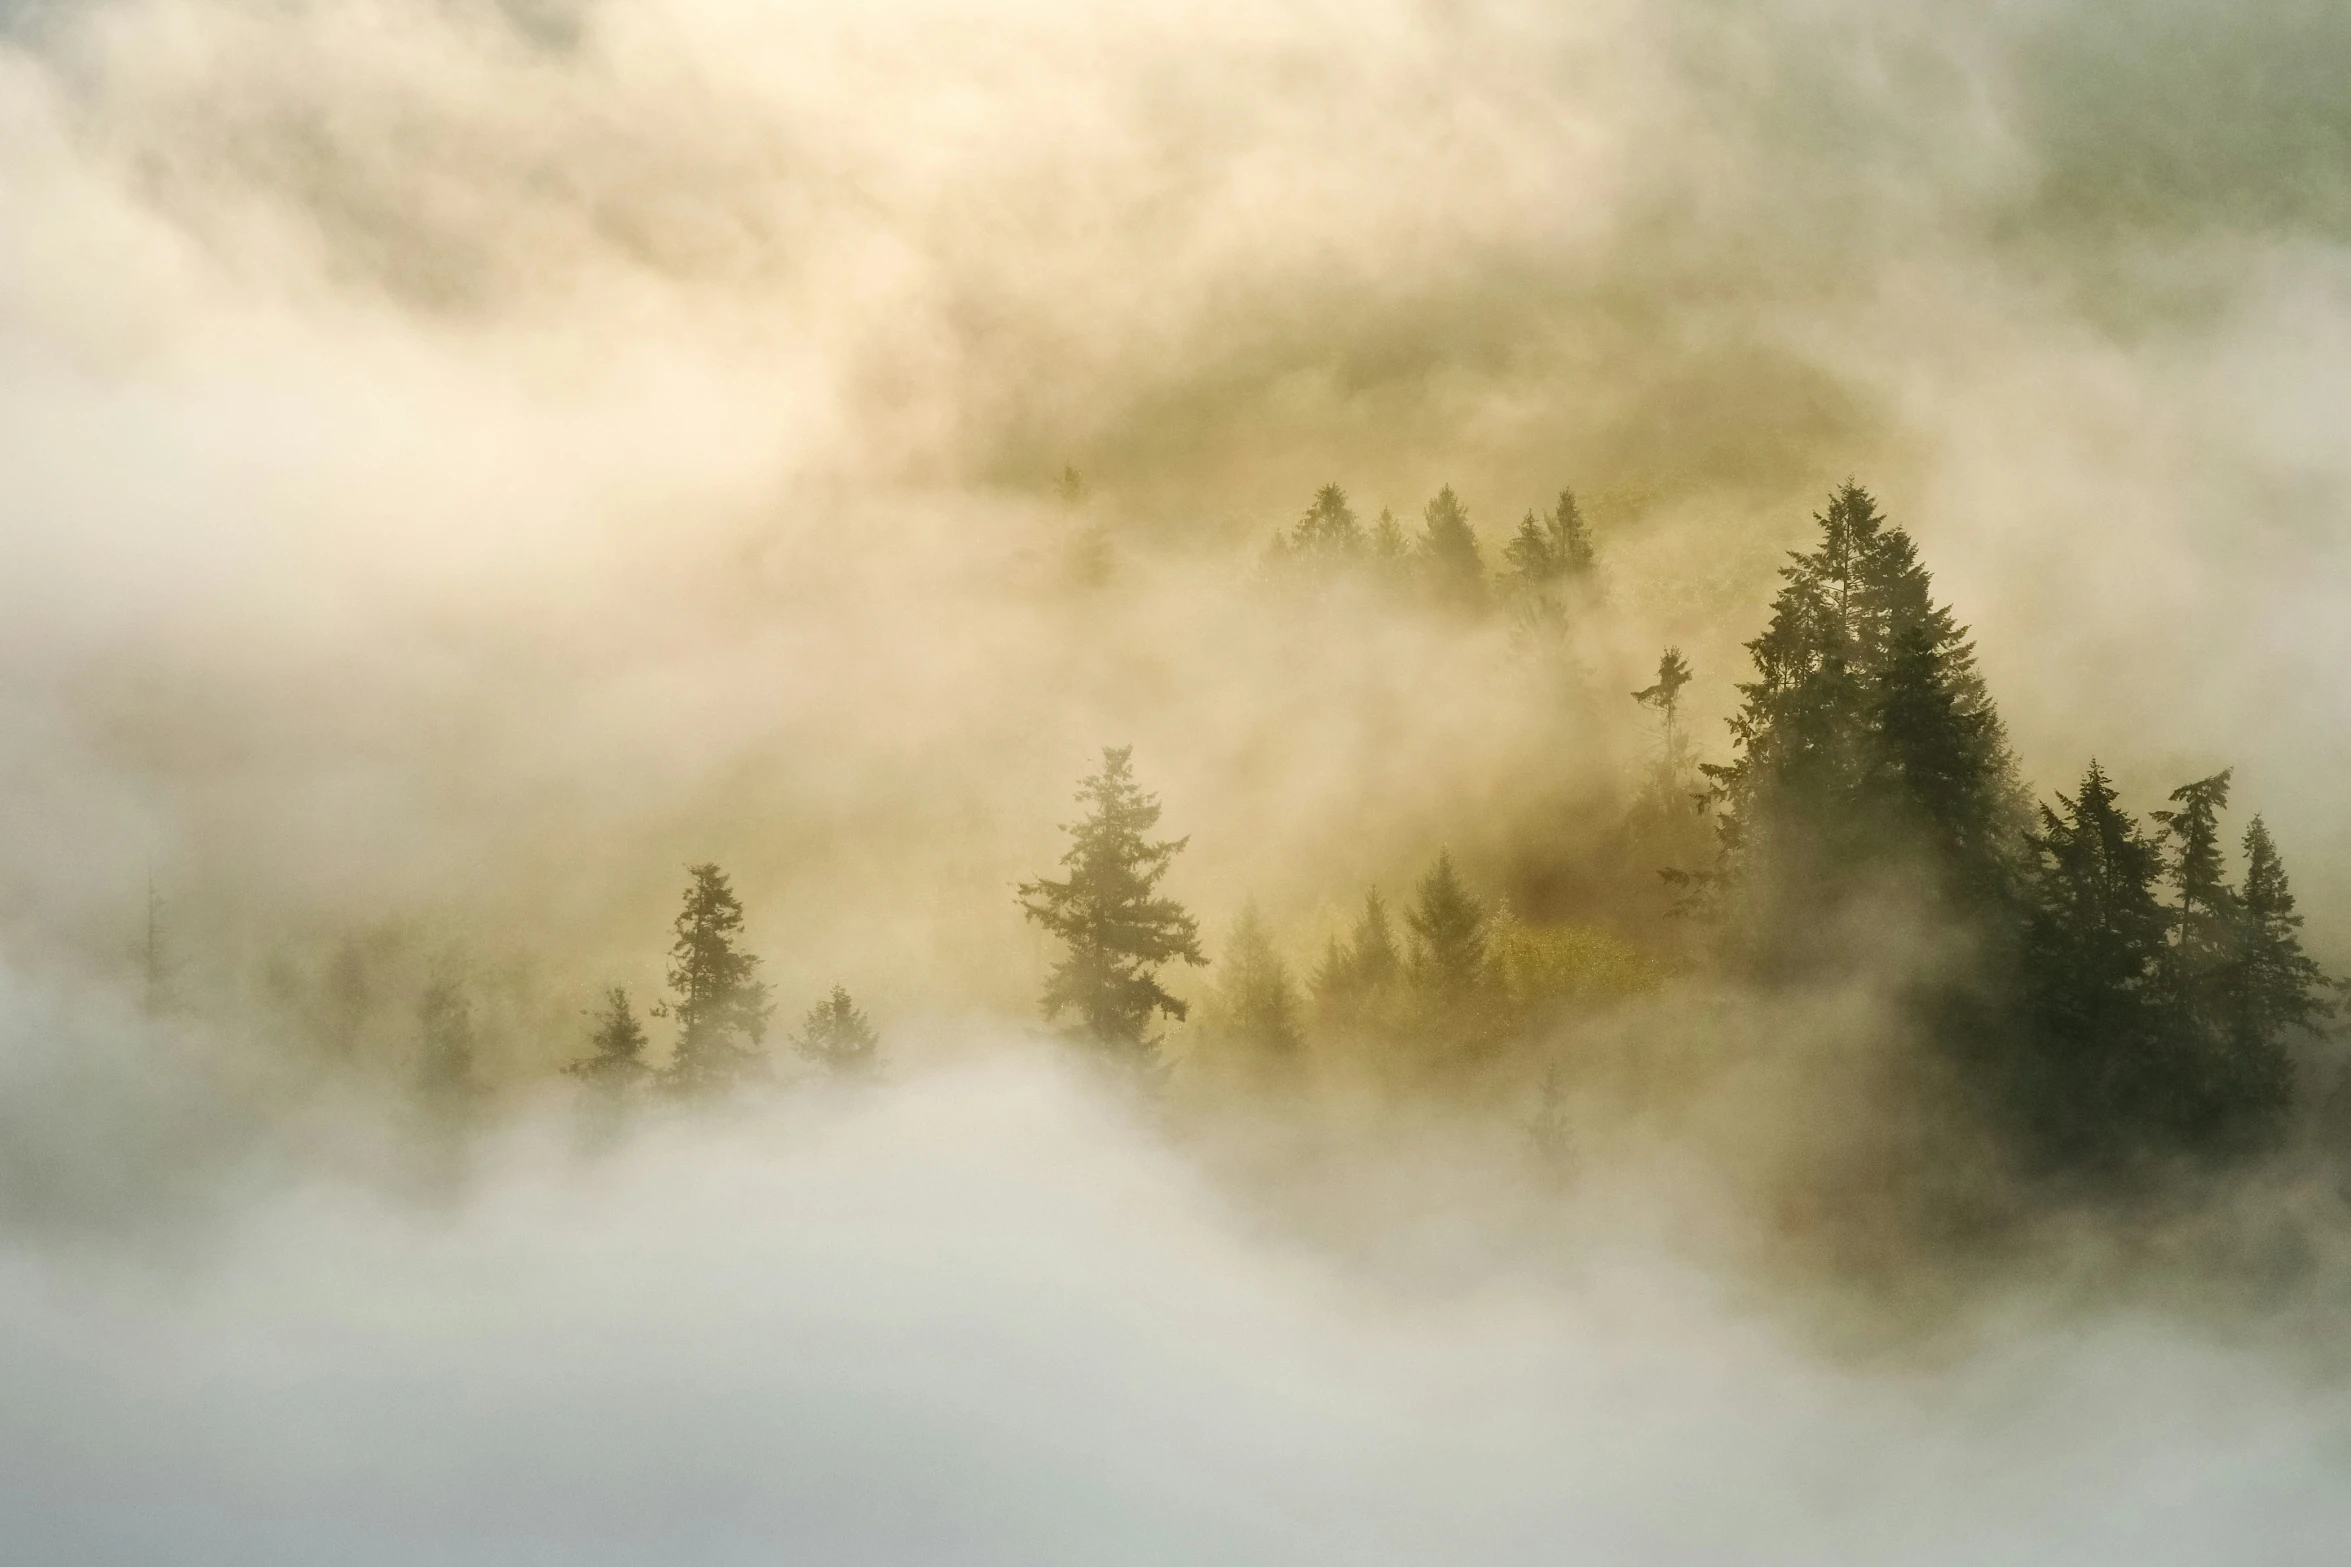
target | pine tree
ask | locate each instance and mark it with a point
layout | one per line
(1254, 1005)
(1390, 549)
(1530, 554)
(1866, 748)
(2277, 984)
(1328, 532)
(1356, 975)
(1550, 550)
(1665, 699)
(2107, 1060)
(2205, 920)
(720, 1006)
(1571, 540)
(1117, 930)
(838, 1036)
(1448, 551)
(618, 1046)
(1448, 933)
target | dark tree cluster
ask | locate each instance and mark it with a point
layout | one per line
(2119, 999)
(1543, 564)
(720, 1008)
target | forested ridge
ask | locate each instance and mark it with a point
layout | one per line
(2077, 991)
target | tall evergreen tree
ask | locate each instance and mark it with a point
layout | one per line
(1390, 549)
(720, 1005)
(1356, 975)
(838, 1036)
(2202, 951)
(1254, 1005)
(1329, 530)
(1550, 549)
(1665, 700)
(1448, 929)
(1118, 931)
(1571, 540)
(2109, 1070)
(617, 1045)
(1866, 747)
(2278, 986)
(1448, 550)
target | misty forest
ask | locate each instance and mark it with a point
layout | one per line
(1063, 784)
(2073, 992)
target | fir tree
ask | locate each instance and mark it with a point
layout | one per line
(1529, 554)
(1866, 747)
(2107, 1059)
(1571, 540)
(1448, 551)
(2277, 985)
(1118, 931)
(1254, 1005)
(2205, 920)
(720, 1005)
(1356, 974)
(1328, 532)
(1550, 549)
(838, 1036)
(1448, 933)
(617, 1044)
(1665, 700)
(1390, 549)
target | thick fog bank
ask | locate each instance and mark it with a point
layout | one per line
(986, 1316)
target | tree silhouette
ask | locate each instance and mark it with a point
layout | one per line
(1254, 1005)
(2276, 984)
(1665, 699)
(1118, 931)
(838, 1036)
(618, 1046)
(1448, 549)
(720, 1006)
(1353, 981)
(1867, 750)
(1448, 932)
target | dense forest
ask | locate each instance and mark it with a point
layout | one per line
(2072, 992)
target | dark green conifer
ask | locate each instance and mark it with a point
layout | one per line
(1352, 983)
(1867, 752)
(1550, 550)
(1328, 533)
(1665, 700)
(1254, 1006)
(1571, 540)
(2205, 919)
(838, 1036)
(2278, 986)
(720, 1004)
(2107, 1061)
(1448, 933)
(1118, 931)
(1448, 550)
(617, 1045)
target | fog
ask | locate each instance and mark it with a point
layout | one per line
(980, 1318)
(463, 460)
